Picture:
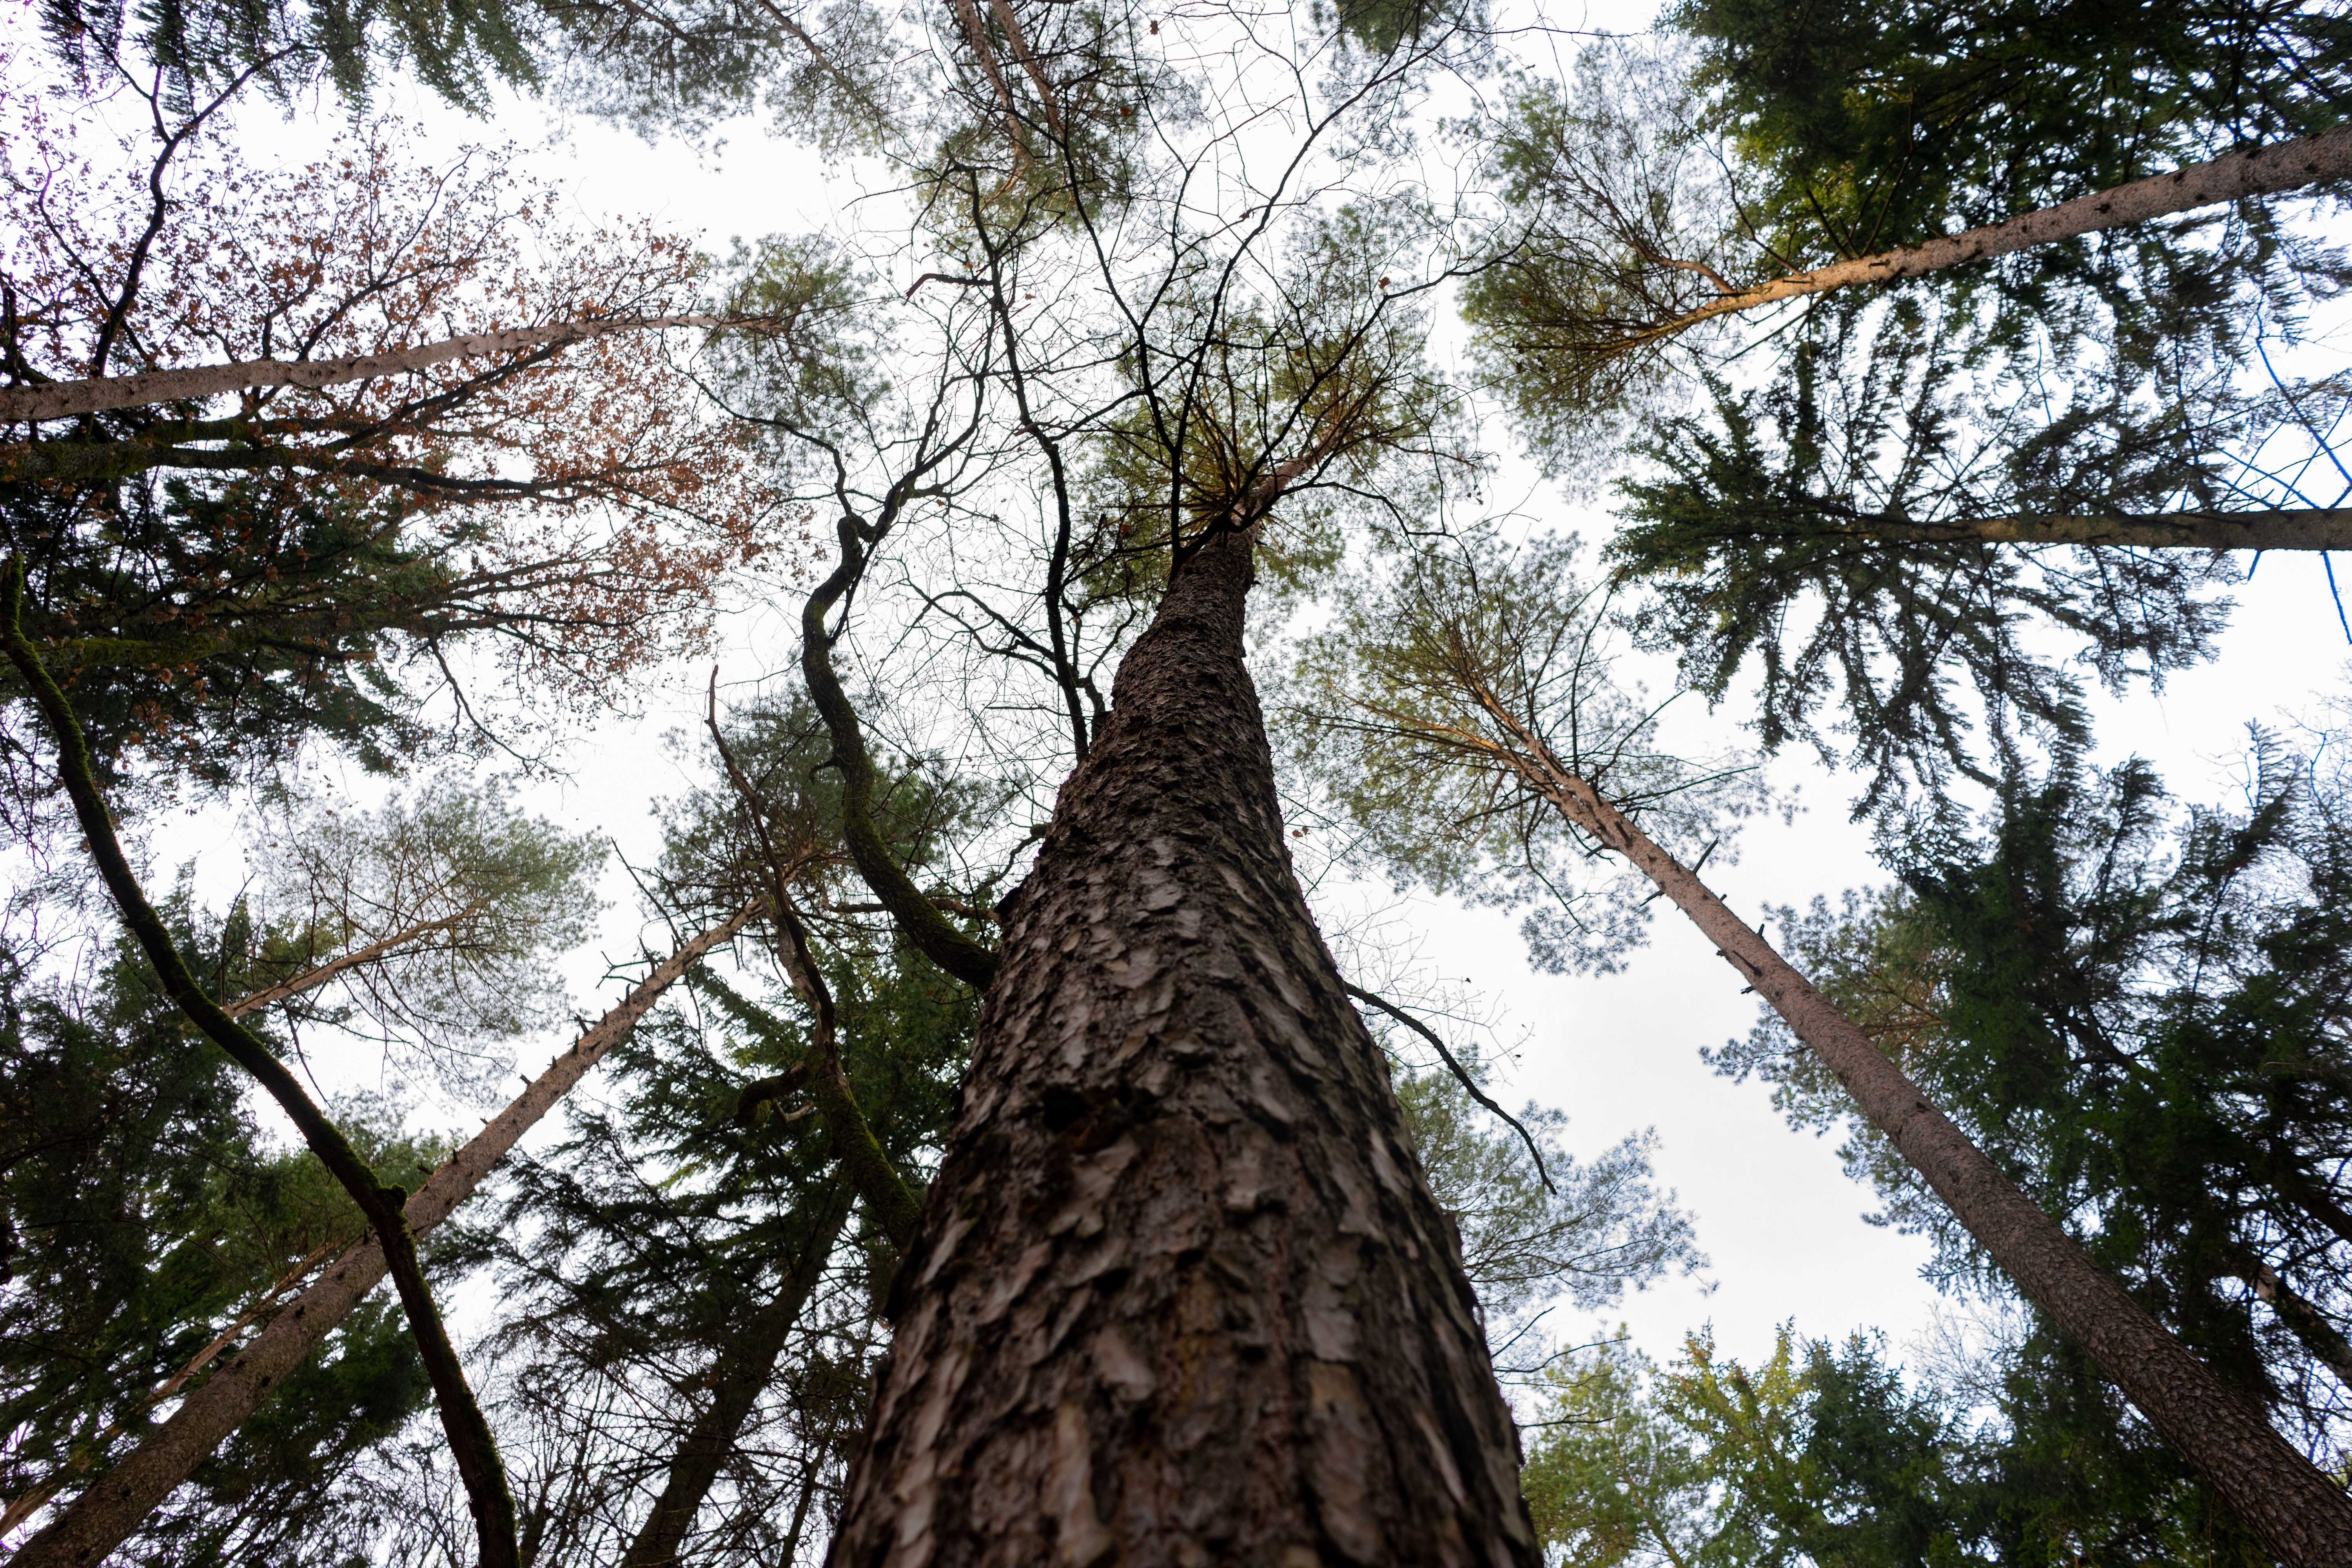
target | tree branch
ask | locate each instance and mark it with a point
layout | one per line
(1426, 1033)
(470, 1440)
(895, 1208)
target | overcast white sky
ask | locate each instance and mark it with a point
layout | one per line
(1781, 1223)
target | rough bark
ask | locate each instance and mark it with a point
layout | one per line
(2300, 1514)
(750, 1361)
(1180, 1294)
(64, 399)
(105, 1514)
(2251, 172)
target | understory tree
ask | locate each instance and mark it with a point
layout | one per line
(1830, 1453)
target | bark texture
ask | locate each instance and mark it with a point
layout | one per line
(1180, 1294)
(105, 1514)
(64, 399)
(2233, 176)
(748, 1364)
(2300, 1513)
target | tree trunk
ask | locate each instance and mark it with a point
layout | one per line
(2300, 1514)
(2283, 528)
(64, 399)
(351, 959)
(111, 1507)
(1180, 1294)
(2233, 176)
(750, 1361)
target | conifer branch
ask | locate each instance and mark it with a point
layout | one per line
(470, 1439)
(2234, 176)
(103, 1516)
(896, 1207)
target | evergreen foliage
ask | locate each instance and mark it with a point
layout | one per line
(145, 1210)
(1830, 1455)
(1826, 515)
(2138, 1012)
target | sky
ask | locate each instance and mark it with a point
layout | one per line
(1783, 1228)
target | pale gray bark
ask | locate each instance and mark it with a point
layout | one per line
(105, 1514)
(2252, 172)
(270, 995)
(2300, 1513)
(63, 399)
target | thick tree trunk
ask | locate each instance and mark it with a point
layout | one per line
(748, 1364)
(1180, 1294)
(105, 1514)
(2250, 171)
(2300, 1513)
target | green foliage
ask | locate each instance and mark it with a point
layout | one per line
(1753, 535)
(477, 899)
(1827, 1456)
(217, 632)
(1603, 1227)
(1779, 524)
(462, 49)
(2139, 1015)
(145, 1212)
(1420, 710)
(1871, 126)
(638, 1254)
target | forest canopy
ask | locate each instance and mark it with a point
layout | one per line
(836, 847)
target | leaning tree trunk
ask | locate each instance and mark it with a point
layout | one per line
(2301, 1514)
(1180, 1294)
(111, 1507)
(746, 1365)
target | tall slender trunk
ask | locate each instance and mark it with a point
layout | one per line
(111, 1507)
(2300, 1513)
(1180, 1294)
(750, 1361)
(64, 399)
(2319, 528)
(2262, 170)
(271, 994)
